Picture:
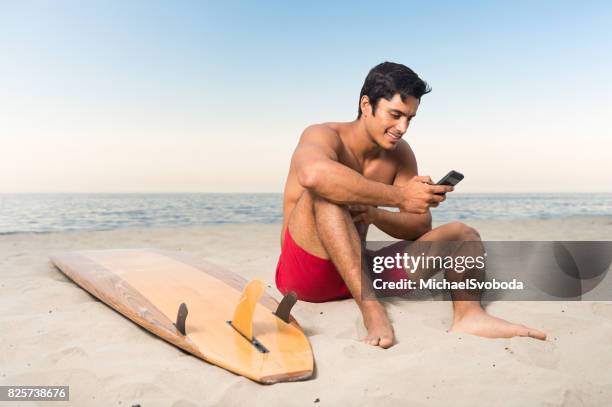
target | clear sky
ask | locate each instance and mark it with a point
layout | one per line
(143, 96)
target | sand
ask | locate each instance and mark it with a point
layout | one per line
(54, 333)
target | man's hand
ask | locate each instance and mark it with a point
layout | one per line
(419, 194)
(363, 216)
(362, 213)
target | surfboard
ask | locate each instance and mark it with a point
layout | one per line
(201, 308)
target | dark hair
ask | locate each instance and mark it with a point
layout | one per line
(387, 79)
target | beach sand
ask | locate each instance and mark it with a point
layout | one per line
(54, 333)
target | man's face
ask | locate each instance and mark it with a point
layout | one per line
(391, 120)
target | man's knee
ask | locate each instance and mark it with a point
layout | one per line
(462, 232)
(320, 204)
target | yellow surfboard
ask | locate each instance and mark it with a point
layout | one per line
(205, 310)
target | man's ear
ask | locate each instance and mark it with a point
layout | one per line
(366, 107)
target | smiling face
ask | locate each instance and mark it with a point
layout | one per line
(389, 121)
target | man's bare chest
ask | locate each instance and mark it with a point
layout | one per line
(379, 169)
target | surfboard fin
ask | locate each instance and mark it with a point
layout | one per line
(243, 314)
(284, 308)
(181, 317)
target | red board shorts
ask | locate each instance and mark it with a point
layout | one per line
(315, 279)
(312, 278)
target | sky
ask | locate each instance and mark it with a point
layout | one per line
(145, 96)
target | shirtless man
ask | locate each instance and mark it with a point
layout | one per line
(339, 174)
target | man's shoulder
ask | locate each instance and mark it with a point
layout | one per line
(325, 133)
(322, 129)
(402, 151)
(404, 157)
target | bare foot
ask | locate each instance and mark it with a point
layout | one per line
(376, 321)
(477, 322)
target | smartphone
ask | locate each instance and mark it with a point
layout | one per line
(452, 178)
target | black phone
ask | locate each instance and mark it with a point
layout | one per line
(452, 179)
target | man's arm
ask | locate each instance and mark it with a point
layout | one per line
(403, 225)
(316, 164)
(317, 168)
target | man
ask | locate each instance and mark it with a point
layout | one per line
(339, 174)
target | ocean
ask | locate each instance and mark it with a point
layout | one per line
(43, 213)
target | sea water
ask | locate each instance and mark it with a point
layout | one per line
(39, 213)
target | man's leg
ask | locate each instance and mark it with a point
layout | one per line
(326, 230)
(468, 315)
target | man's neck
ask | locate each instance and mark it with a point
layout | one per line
(359, 142)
